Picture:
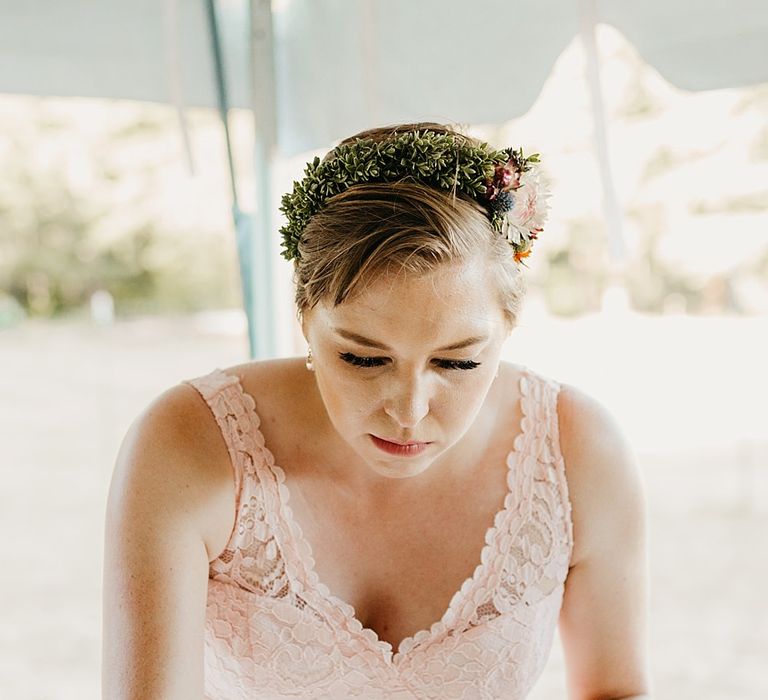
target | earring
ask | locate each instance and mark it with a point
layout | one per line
(309, 360)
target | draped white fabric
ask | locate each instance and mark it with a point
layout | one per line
(342, 65)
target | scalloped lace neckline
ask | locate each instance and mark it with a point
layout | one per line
(300, 547)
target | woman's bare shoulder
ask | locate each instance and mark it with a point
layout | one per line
(174, 452)
(283, 389)
(586, 424)
(601, 468)
(263, 377)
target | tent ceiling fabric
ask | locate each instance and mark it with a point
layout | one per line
(696, 44)
(119, 49)
(342, 65)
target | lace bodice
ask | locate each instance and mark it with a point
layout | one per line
(274, 631)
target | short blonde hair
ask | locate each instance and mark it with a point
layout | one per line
(408, 226)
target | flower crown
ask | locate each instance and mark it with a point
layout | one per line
(508, 184)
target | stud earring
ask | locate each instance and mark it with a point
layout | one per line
(309, 360)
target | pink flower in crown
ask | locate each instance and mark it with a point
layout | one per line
(509, 175)
(506, 177)
(530, 210)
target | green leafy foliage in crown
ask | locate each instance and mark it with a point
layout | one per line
(492, 177)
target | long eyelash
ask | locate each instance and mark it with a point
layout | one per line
(459, 364)
(361, 361)
(378, 361)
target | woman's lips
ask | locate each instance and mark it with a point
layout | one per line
(394, 448)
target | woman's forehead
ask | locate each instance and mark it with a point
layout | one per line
(444, 281)
(452, 305)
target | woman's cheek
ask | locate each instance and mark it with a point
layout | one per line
(464, 401)
(353, 398)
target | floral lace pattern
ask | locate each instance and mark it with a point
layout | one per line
(274, 631)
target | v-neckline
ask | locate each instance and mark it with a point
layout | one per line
(297, 551)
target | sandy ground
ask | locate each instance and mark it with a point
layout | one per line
(690, 394)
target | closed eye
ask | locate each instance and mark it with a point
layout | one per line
(358, 361)
(362, 361)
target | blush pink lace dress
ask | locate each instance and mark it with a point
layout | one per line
(273, 630)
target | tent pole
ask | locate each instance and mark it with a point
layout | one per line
(263, 329)
(253, 232)
(241, 220)
(611, 206)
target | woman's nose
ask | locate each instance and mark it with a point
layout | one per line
(409, 405)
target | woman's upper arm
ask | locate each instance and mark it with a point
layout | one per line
(603, 620)
(155, 557)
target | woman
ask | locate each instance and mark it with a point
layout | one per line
(400, 514)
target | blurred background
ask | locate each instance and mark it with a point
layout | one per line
(139, 247)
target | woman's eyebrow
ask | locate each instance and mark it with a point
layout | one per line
(367, 342)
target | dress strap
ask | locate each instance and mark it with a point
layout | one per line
(552, 456)
(228, 404)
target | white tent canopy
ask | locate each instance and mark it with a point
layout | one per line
(342, 65)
